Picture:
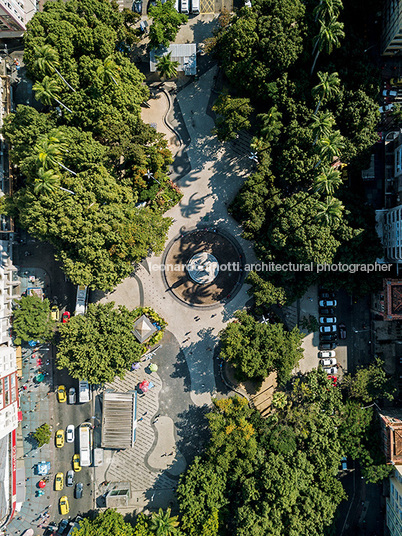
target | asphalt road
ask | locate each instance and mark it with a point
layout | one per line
(65, 414)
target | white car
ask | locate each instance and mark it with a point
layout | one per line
(329, 353)
(327, 303)
(328, 362)
(328, 329)
(331, 370)
(327, 319)
(70, 433)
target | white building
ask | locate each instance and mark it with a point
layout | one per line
(184, 54)
(394, 503)
(14, 15)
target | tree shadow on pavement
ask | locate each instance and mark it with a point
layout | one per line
(192, 431)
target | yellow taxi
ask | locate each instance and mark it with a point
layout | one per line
(61, 393)
(59, 482)
(60, 439)
(64, 506)
(55, 313)
(76, 463)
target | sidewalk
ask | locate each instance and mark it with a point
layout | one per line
(36, 406)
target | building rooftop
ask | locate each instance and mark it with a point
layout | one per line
(184, 54)
(119, 420)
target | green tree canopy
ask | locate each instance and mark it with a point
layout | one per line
(232, 116)
(256, 349)
(99, 345)
(166, 23)
(369, 383)
(31, 319)
(42, 435)
(106, 523)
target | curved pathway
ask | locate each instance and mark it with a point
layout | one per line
(185, 382)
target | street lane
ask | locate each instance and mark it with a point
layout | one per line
(64, 415)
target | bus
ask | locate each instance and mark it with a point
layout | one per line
(85, 444)
(84, 393)
(82, 298)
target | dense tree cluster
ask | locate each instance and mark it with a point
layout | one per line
(31, 320)
(316, 117)
(278, 475)
(99, 345)
(166, 22)
(255, 349)
(87, 159)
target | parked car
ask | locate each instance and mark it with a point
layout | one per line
(327, 303)
(327, 319)
(344, 463)
(60, 439)
(55, 313)
(328, 337)
(326, 294)
(70, 433)
(328, 345)
(59, 482)
(72, 396)
(326, 311)
(328, 329)
(65, 317)
(70, 478)
(331, 370)
(64, 506)
(79, 488)
(342, 331)
(331, 361)
(62, 527)
(323, 355)
(76, 463)
(61, 393)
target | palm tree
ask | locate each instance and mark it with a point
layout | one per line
(108, 71)
(328, 37)
(47, 61)
(49, 150)
(328, 87)
(331, 146)
(164, 525)
(271, 123)
(327, 181)
(47, 92)
(326, 8)
(166, 67)
(330, 211)
(46, 182)
(321, 125)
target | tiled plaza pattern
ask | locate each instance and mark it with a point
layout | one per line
(129, 464)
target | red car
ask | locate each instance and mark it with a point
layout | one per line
(65, 317)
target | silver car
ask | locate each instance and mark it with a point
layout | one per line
(328, 329)
(327, 319)
(328, 362)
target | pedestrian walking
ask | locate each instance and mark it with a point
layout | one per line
(145, 412)
(141, 419)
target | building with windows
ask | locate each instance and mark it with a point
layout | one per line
(392, 27)
(14, 15)
(394, 503)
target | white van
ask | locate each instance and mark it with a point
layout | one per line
(195, 6)
(84, 392)
(184, 6)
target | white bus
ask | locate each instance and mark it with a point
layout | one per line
(82, 298)
(85, 444)
(84, 392)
